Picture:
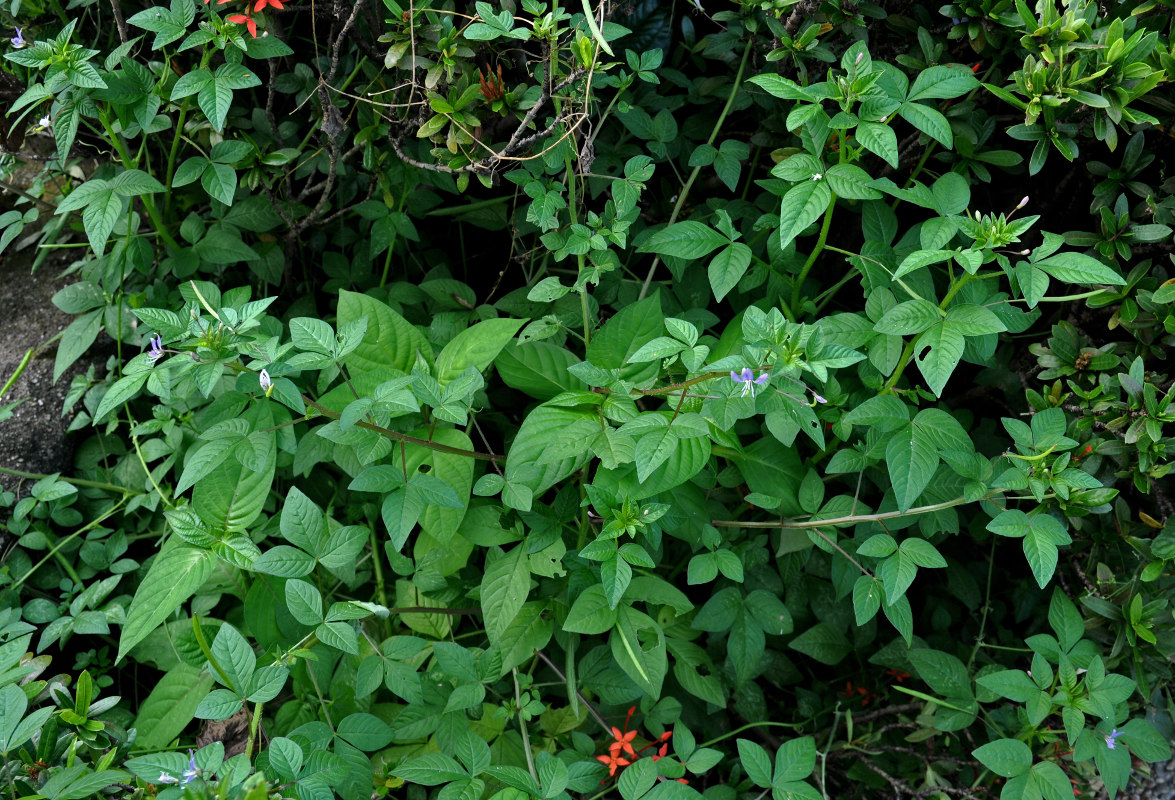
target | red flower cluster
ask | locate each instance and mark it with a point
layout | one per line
(622, 743)
(851, 691)
(246, 19)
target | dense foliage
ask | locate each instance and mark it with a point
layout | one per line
(640, 399)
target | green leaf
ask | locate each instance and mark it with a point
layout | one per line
(76, 340)
(476, 346)
(756, 762)
(304, 602)
(1079, 268)
(937, 352)
(974, 320)
(430, 769)
(852, 182)
(390, 341)
(365, 731)
(801, 206)
(654, 449)
(684, 240)
(625, 333)
(638, 646)
(590, 613)
(504, 588)
(1006, 757)
(727, 268)
(169, 708)
(919, 259)
(823, 643)
(175, 574)
(795, 760)
(943, 672)
(942, 83)
(867, 594)
(912, 316)
(929, 121)
(880, 140)
(911, 458)
(538, 369)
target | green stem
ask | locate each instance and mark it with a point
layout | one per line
(808, 524)
(685, 189)
(110, 487)
(254, 723)
(903, 360)
(748, 727)
(795, 292)
(171, 156)
(207, 651)
(62, 542)
(986, 603)
(522, 729)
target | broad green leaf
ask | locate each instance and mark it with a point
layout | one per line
(1079, 268)
(538, 368)
(638, 646)
(756, 762)
(911, 459)
(476, 346)
(170, 706)
(929, 121)
(823, 643)
(590, 612)
(852, 182)
(942, 83)
(503, 591)
(803, 204)
(175, 574)
(919, 259)
(974, 320)
(727, 268)
(684, 240)
(944, 673)
(937, 352)
(1006, 757)
(880, 140)
(910, 317)
(390, 341)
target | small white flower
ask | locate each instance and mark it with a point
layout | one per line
(45, 122)
(817, 177)
(165, 778)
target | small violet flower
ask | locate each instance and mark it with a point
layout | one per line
(748, 380)
(191, 772)
(1114, 734)
(266, 382)
(18, 40)
(155, 352)
(165, 778)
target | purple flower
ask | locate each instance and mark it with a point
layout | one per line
(191, 772)
(156, 350)
(748, 380)
(18, 40)
(1114, 734)
(266, 382)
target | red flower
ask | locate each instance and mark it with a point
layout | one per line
(612, 761)
(248, 22)
(261, 4)
(623, 741)
(897, 674)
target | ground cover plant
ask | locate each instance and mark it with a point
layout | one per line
(585, 400)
